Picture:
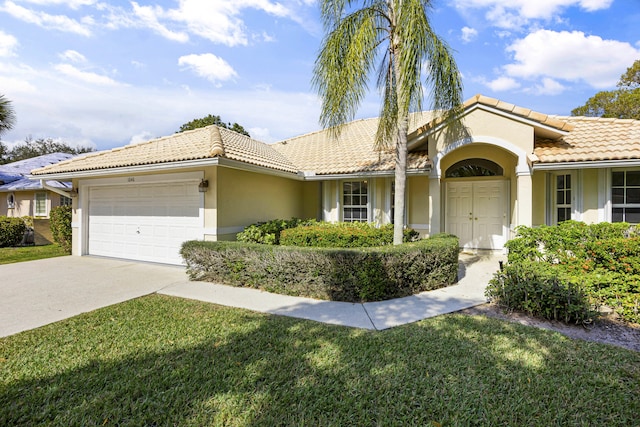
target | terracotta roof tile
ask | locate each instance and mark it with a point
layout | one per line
(352, 152)
(592, 139)
(203, 143)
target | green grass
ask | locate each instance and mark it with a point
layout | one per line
(30, 253)
(164, 361)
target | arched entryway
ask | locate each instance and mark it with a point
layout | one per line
(476, 203)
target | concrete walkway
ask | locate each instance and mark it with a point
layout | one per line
(35, 293)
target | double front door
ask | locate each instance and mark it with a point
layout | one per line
(476, 212)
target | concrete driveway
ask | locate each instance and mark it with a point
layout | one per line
(36, 293)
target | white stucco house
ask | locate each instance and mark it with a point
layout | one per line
(514, 167)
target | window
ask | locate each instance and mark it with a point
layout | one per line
(40, 208)
(474, 167)
(625, 197)
(11, 201)
(65, 201)
(355, 201)
(563, 197)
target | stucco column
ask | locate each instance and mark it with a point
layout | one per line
(435, 205)
(524, 194)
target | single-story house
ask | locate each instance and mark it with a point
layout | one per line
(513, 167)
(21, 196)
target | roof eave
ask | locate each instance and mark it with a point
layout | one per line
(155, 167)
(163, 167)
(586, 164)
(364, 174)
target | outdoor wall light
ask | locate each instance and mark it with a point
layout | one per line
(73, 193)
(203, 186)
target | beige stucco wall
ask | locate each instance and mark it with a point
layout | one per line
(590, 187)
(311, 200)
(25, 203)
(539, 203)
(244, 198)
(480, 123)
(418, 204)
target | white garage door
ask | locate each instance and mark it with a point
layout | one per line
(145, 222)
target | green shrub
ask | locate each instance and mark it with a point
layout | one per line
(11, 231)
(368, 274)
(268, 233)
(603, 260)
(60, 219)
(540, 290)
(342, 235)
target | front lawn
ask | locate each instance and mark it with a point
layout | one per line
(159, 360)
(30, 253)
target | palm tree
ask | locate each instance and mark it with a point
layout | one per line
(7, 116)
(395, 38)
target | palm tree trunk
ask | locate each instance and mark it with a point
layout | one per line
(400, 180)
(401, 137)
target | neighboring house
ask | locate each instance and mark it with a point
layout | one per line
(514, 167)
(21, 196)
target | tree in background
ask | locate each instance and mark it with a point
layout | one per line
(38, 147)
(395, 38)
(622, 103)
(212, 120)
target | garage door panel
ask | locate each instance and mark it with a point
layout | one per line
(147, 222)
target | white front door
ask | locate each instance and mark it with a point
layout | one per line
(476, 212)
(145, 222)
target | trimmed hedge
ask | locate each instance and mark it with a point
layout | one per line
(60, 218)
(342, 235)
(11, 231)
(541, 290)
(268, 233)
(353, 275)
(321, 234)
(601, 261)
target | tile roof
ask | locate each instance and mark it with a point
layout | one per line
(525, 113)
(204, 143)
(13, 175)
(592, 139)
(575, 139)
(23, 167)
(351, 152)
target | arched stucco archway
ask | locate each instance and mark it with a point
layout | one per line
(517, 189)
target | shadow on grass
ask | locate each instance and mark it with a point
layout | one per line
(165, 361)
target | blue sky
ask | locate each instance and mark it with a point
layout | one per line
(107, 74)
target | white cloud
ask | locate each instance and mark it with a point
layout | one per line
(469, 34)
(17, 85)
(149, 15)
(209, 66)
(73, 56)
(513, 14)
(73, 4)
(549, 87)
(8, 44)
(83, 115)
(571, 56)
(143, 136)
(85, 76)
(219, 21)
(502, 84)
(45, 20)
